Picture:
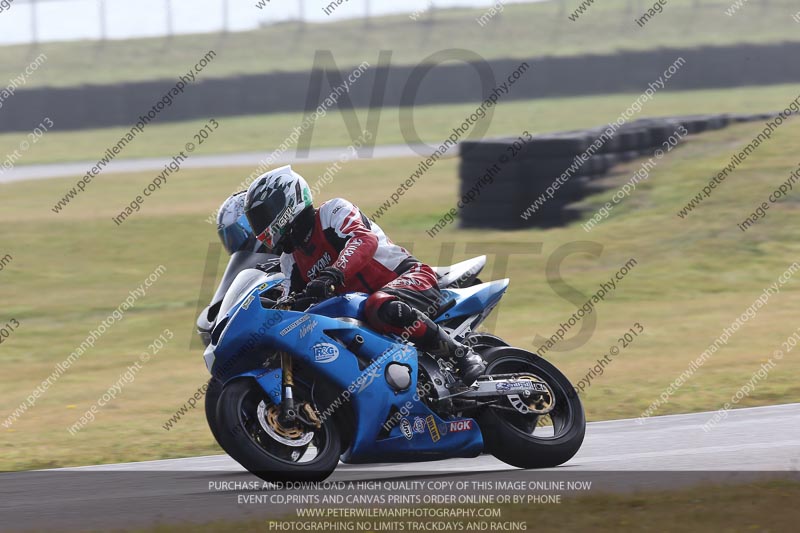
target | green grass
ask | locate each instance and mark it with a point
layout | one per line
(434, 124)
(522, 31)
(694, 277)
(764, 506)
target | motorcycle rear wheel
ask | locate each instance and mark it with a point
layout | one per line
(531, 441)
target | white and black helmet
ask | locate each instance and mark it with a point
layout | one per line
(272, 204)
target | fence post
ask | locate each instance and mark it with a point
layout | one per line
(168, 15)
(34, 24)
(103, 23)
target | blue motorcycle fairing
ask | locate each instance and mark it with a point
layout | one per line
(269, 379)
(323, 342)
(350, 305)
(246, 288)
(468, 301)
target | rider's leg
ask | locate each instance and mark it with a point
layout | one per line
(387, 312)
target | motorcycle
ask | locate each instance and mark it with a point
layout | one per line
(295, 392)
(245, 258)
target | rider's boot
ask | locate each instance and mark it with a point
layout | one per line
(469, 365)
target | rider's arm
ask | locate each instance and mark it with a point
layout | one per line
(346, 224)
(292, 281)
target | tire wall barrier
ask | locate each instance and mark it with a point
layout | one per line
(94, 106)
(540, 161)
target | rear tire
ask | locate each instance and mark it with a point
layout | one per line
(243, 437)
(512, 437)
(482, 341)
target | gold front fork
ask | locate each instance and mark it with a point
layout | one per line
(288, 412)
(287, 406)
(286, 365)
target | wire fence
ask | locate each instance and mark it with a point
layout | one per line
(163, 15)
(34, 12)
(35, 21)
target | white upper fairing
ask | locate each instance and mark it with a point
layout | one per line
(460, 271)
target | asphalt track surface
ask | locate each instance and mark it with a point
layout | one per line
(250, 159)
(621, 455)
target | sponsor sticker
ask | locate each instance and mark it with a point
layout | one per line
(284, 217)
(434, 431)
(405, 427)
(523, 384)
(460, 425)
(294, 324)
(325, 352)
(419, 425)
(246, 304)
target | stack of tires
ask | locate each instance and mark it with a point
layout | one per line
(509, 176)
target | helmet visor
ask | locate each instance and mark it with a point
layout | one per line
(233, 238)
(264, 214)
(236, 237)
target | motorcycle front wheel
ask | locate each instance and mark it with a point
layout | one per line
(250, 430)
(211, 399)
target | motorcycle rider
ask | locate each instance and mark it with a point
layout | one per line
(336, 249)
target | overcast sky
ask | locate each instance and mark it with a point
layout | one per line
(80, 19)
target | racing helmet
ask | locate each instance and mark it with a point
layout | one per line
(233, 227)
(273, 203)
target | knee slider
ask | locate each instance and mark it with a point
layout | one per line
(388, 314)
(386, 310)
(373, 308)
(397, 313)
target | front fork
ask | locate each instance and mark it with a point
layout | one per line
(288, 412)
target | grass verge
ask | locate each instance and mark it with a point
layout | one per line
(264, 133)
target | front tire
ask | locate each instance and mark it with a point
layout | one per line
(512, 437)
(250, 437)
(212, 397)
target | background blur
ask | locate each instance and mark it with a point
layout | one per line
(240, 83)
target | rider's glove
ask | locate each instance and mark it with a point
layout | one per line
(325, 285)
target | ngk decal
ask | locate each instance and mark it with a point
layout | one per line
(460, 425)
